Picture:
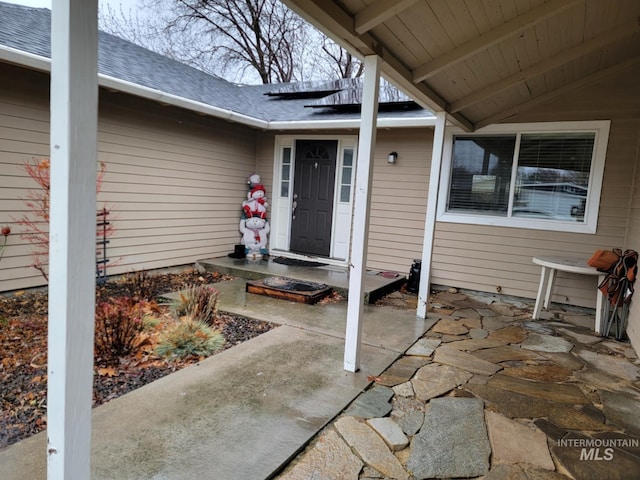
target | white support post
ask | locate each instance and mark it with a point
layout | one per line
(72, 233)
(362, 201)
(430, 218)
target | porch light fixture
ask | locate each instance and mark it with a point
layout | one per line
(393, 156)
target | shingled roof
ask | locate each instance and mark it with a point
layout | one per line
(28, 30)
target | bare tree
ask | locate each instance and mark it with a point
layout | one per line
(240, 40)
(345, 64)
(240, 34)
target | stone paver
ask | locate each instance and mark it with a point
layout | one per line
(504, 309)
(616, 366)
(597, 379)
(570, 418)
(566, 360)
(449, 327)
(622, 348)
(434, 380)
(546, 373)
(538, 327)
(471, 344)
(487, 312)
(410, 422)
(402, 370)
(506, 353)
(424, 347)
(546, 343)
(555, 392)
(522, 472)
(344, 463)
(513, 442)
(452, 338)
(370, 447)
(452, 442)
(372, 403)
(403, 405)
(587, 339)
(467, 312)
(477, 333)
(471, 323)
(552, 431)
(456, 358)
(495, 323)
(622, 409)
(509, 403)
(390, 432)
(404, 390)
(512, 334)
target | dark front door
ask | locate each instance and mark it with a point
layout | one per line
(313, 184)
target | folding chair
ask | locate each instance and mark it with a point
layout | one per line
(618, 288)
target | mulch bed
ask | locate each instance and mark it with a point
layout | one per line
(23, 352)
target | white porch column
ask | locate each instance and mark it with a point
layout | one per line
(72, 232)
(430, 220)
(362, 200)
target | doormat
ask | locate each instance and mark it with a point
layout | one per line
(289, 289)
(298, 263)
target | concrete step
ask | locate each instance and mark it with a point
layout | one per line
(375, 286)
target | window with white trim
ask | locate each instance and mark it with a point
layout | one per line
(285, 173)
(346, 175)
(542, 176)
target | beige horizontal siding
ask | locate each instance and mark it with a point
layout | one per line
(174, 180)
(399, 199)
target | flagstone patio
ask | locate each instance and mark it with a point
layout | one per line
(487, 393)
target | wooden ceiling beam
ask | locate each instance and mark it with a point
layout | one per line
(424, 96)
(331, 19)
(494, 36)
(566, 89)
(562, 58)
(378, 12)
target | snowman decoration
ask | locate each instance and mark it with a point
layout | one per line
(256, 203)
(254, 225)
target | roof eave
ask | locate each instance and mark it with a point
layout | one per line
(388, 122)
(43, 64)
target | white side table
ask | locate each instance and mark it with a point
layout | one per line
(550, 265)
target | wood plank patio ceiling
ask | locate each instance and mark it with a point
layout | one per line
(483, 61)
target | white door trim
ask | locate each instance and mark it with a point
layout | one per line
(281, 198)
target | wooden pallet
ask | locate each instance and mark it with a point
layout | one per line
(310, 297)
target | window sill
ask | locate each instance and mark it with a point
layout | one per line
(527, 223)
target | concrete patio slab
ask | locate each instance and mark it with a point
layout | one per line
(240, 414)
(244, 412)
(385, 327)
